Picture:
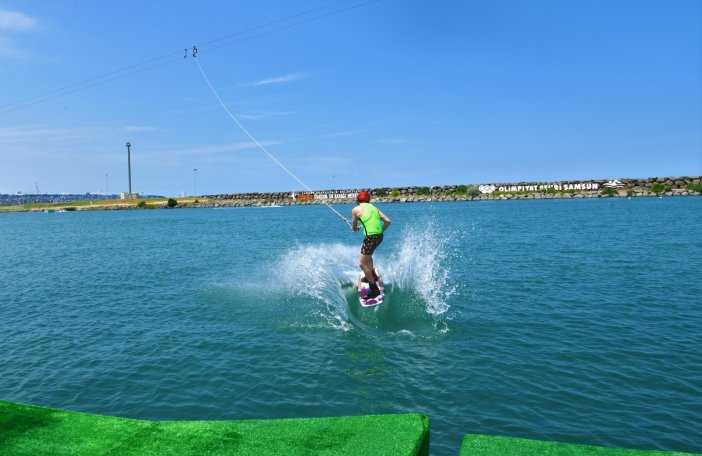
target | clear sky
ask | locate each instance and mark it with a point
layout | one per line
(347, 94)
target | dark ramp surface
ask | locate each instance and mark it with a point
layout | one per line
(31, 430)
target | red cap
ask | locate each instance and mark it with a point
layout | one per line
(363, 197)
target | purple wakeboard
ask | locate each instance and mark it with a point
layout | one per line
(364, 289)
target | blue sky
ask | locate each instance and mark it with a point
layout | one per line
(349, 94)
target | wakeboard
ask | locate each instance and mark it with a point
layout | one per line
(364, 289)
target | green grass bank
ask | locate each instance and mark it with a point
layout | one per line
(489, 445)
(32, 430)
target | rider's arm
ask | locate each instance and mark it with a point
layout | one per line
(385, 219)
(354, 219)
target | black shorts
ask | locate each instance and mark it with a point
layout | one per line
(370, 243)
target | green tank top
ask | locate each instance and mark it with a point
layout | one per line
(370, 219)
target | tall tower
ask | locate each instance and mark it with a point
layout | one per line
(129, 167)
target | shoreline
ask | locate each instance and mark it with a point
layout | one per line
(619, 188)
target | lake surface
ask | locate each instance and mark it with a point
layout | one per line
(571, 320)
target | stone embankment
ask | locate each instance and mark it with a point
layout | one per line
(616, 188)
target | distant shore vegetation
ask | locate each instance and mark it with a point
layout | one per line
(670, 186)
(143, 203)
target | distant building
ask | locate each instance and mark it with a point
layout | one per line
(125, 195)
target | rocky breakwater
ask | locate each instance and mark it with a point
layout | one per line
(602, 188)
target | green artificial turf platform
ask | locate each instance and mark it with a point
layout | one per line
(32, 430)
(484, 445)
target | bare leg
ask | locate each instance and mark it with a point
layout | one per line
(366, 264)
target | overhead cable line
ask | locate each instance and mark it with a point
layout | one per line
(171, 57)
(294, 24)
(276, 21)
(64, 90)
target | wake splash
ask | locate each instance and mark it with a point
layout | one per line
(319, 274)
(413, 265)
(420, 265)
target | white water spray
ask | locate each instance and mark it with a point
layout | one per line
(416, 276)
(419, 265)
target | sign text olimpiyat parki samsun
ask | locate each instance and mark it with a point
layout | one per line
(558, 186)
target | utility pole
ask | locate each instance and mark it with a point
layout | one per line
(195, 176)
(129, 165)
(107, 186)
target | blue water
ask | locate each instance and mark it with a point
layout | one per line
(571, 320)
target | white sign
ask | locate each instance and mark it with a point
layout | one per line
(488, 189)
(616, 183)
(325, 195)
(335, 195)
